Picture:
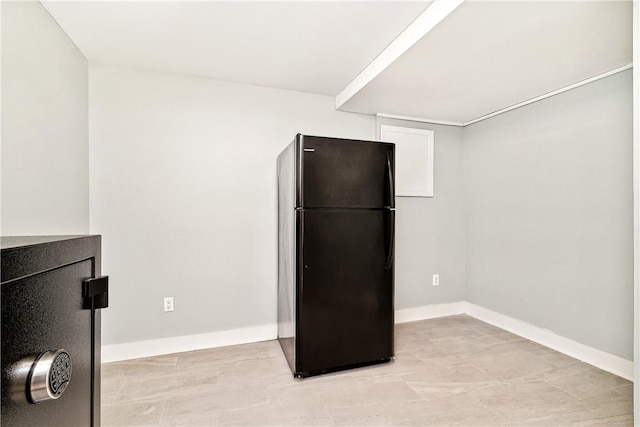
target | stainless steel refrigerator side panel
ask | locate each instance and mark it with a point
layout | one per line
(287, 259)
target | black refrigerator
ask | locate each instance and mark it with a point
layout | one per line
(336, 223)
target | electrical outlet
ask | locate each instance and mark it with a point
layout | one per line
(168, 304)
(436, 280)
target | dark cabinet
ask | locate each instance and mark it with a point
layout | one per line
(51, 296)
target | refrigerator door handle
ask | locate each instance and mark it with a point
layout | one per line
(392, 233)
(392, 187)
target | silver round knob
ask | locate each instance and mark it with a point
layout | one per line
(49, 376)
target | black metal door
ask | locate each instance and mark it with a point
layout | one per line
(346, 293)
(340, 173)
(39, 313)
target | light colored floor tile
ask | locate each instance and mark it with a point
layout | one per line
(538, 420)
(459, 345)
(201, 418)
(608, 405)
(249, 370)
(619, 420)
(204, 407)
(448, 371)
(362, 415)
(559, 359)
(364, 391)
(449, 361)
(192, 381)
(417, 343)
(439, 382)
(625, 390)
(512, 364)
(523, 395)
(110, 387)
(426, 350)
(231, 354)
(132, 414)
(303, 413)
(139, 368)
(405, 362)
(583, 380)
(460, 409)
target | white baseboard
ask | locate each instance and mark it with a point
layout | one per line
(598, 358)
(429, 312)
(157, 347)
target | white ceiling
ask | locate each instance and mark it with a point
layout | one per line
(306, 46)
(484, 56)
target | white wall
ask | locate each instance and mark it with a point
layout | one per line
(430, 231)
(549, 207)
(183, 190)
(45, 149)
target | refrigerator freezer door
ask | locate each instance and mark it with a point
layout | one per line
(339, 173)
(346, 293)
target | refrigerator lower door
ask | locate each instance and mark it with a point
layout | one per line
(345, 294)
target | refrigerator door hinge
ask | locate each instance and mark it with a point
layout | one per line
(95, 292)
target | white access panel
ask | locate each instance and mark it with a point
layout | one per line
(414, 159)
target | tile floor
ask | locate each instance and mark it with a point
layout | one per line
(448, 371)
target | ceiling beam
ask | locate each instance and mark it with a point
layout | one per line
(425, 22)
(419, 119)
